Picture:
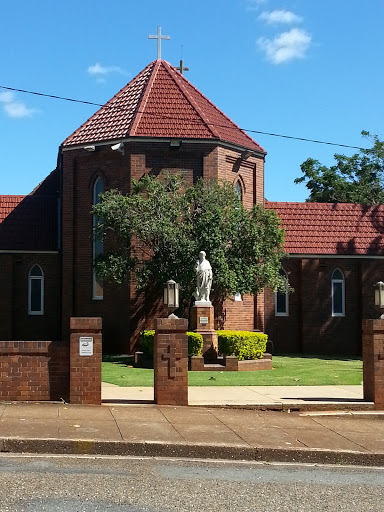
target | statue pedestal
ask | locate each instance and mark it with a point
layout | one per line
(202, 321)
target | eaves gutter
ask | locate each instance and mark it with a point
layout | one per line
(111, 142)
(20, 251)
(335, 256)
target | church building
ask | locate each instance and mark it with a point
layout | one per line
(159, 121)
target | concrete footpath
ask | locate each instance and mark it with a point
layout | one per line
(263, 397)
(235, 431)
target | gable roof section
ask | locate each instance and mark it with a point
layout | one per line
(29, 223)
(160, 102)
(331, 228)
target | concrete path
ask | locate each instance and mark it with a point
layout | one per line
(203, 432)
(274, 397)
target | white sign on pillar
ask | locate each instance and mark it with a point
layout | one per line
(86, 346)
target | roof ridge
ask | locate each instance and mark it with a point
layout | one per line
(192, 102)
(106, 105)
(210, 125)
(144, 98)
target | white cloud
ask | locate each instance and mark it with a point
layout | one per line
(100, 72)
(6, 96)
(286, 46)
(280, 16)
(14, 108)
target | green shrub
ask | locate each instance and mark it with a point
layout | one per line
(195, 343)
(146, 338)
(242, 344)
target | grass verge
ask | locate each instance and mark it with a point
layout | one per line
(287, 371)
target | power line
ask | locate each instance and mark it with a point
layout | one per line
(51, 96)
(163, 116)
(304, 139)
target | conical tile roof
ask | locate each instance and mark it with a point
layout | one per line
(160, 102)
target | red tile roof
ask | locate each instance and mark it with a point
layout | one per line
(331, 228)
(29, 223)
(160, 102)
(7, 204)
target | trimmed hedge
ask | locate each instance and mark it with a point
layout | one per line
(195, 343)
(242, 344)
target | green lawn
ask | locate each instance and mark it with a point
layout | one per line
(287, 371)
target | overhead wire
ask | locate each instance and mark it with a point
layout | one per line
(73, 100)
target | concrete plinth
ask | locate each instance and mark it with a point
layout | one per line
(202, 322)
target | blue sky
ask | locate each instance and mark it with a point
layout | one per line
(305, 68)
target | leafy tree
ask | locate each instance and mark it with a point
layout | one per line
(354, 179)
(170, 224)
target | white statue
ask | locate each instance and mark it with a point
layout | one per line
(204, 277)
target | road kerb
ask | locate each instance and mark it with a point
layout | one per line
(187, 450)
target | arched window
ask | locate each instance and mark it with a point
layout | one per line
(338, 293)
(281, 297)
(239, 190)
(98, 245)
(36, 291)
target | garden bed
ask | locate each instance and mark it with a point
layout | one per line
(230, 363)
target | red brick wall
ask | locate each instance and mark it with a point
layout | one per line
(285, 331)
(46, 370)
(80, 170)
(123, 310)
(310, 327)
(372, 271)
(250, 174)
(34, 370)
(6, 297)
(238, 315)
(15, 323)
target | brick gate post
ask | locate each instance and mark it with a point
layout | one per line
(171, 361)
(85, 361)
(373, 362)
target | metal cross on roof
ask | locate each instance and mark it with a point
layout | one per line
(159, 37)
(182, 68)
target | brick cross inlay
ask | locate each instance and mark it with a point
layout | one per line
(171, 356)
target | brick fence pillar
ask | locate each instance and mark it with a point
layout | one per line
(85, 361)
(373, 362)
(171, 361)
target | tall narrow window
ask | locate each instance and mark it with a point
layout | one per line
(281, 297)
(36, 291)
(338, 293)
(239, 190)
(98, 245)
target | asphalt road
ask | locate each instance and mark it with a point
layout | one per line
(88, 484)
